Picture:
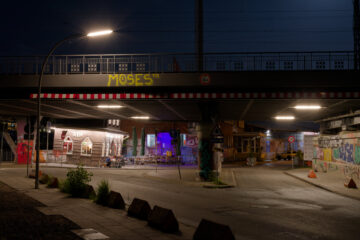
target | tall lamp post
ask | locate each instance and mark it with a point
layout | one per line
(92, 34)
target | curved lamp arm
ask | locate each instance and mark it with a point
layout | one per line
(56, 45)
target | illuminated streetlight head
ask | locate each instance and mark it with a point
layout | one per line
(99, 33)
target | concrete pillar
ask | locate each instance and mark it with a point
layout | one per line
(204, 129)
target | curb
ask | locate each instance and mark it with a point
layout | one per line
(218, 186)
(322, 187)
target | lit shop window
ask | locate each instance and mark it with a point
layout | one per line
(113, 148)
(86, 147)
(68, 145)
(103, 150)
(150, 140)
(183, 139)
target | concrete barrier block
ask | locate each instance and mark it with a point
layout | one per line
(212, 231)
(115, 200)
(350, 183)
(139, 208)
(163, 219)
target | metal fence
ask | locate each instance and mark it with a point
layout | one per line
(178, 62)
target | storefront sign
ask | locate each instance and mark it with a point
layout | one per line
(63, 134)
(137, 80)
(191, 141)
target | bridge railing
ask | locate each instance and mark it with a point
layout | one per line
(178, 62)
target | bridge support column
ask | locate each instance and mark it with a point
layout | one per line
(206, 161)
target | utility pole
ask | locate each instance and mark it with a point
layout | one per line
(356, 32)
(199, 39)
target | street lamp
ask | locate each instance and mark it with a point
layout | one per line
(92, 34)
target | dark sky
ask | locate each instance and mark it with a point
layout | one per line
(31, 27)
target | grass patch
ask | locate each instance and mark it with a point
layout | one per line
(103, 191)
(217, 181)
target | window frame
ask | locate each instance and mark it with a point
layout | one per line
(87, 139)
(68, 140)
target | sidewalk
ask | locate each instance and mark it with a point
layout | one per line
(330, 181)
(21, 219)
(190, 176)
(111, 222)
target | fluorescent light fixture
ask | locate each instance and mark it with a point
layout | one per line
(284, 117)
(140, 117)
(307, 107)
(109, 106)
(99, 33)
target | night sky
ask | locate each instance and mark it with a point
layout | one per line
(31, 27)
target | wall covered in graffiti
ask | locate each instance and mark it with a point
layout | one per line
(343, 148)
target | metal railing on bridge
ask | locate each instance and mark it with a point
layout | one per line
(179, 62)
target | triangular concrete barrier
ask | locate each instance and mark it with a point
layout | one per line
(212, 231)
(350, 183)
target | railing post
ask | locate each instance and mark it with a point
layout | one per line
(131, 64)
(279, 62)
(101, 63)
(66, 64)
(107, 65)
(83, 58)
(304, 62)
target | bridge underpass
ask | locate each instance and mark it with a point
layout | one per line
(247, 86)
(179, 109)
(254, 87)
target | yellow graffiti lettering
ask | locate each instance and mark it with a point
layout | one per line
(131, 80)
(114, 77)
(137, 77)
(122, 79)
(148, 80)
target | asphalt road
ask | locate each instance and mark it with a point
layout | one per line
(265, 204)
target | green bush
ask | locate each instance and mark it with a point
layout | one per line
(76, 181)
(103, 192)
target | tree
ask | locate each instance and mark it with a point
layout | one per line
(134, 137)
(142, 151)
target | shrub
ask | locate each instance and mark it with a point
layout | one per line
(76, 181)
(103, 192)
(53, 182)
(64, 186)
(44, 179)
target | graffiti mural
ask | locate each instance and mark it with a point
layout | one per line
(347, 152)
(327, 154)
(340, 148)
(357, 154)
